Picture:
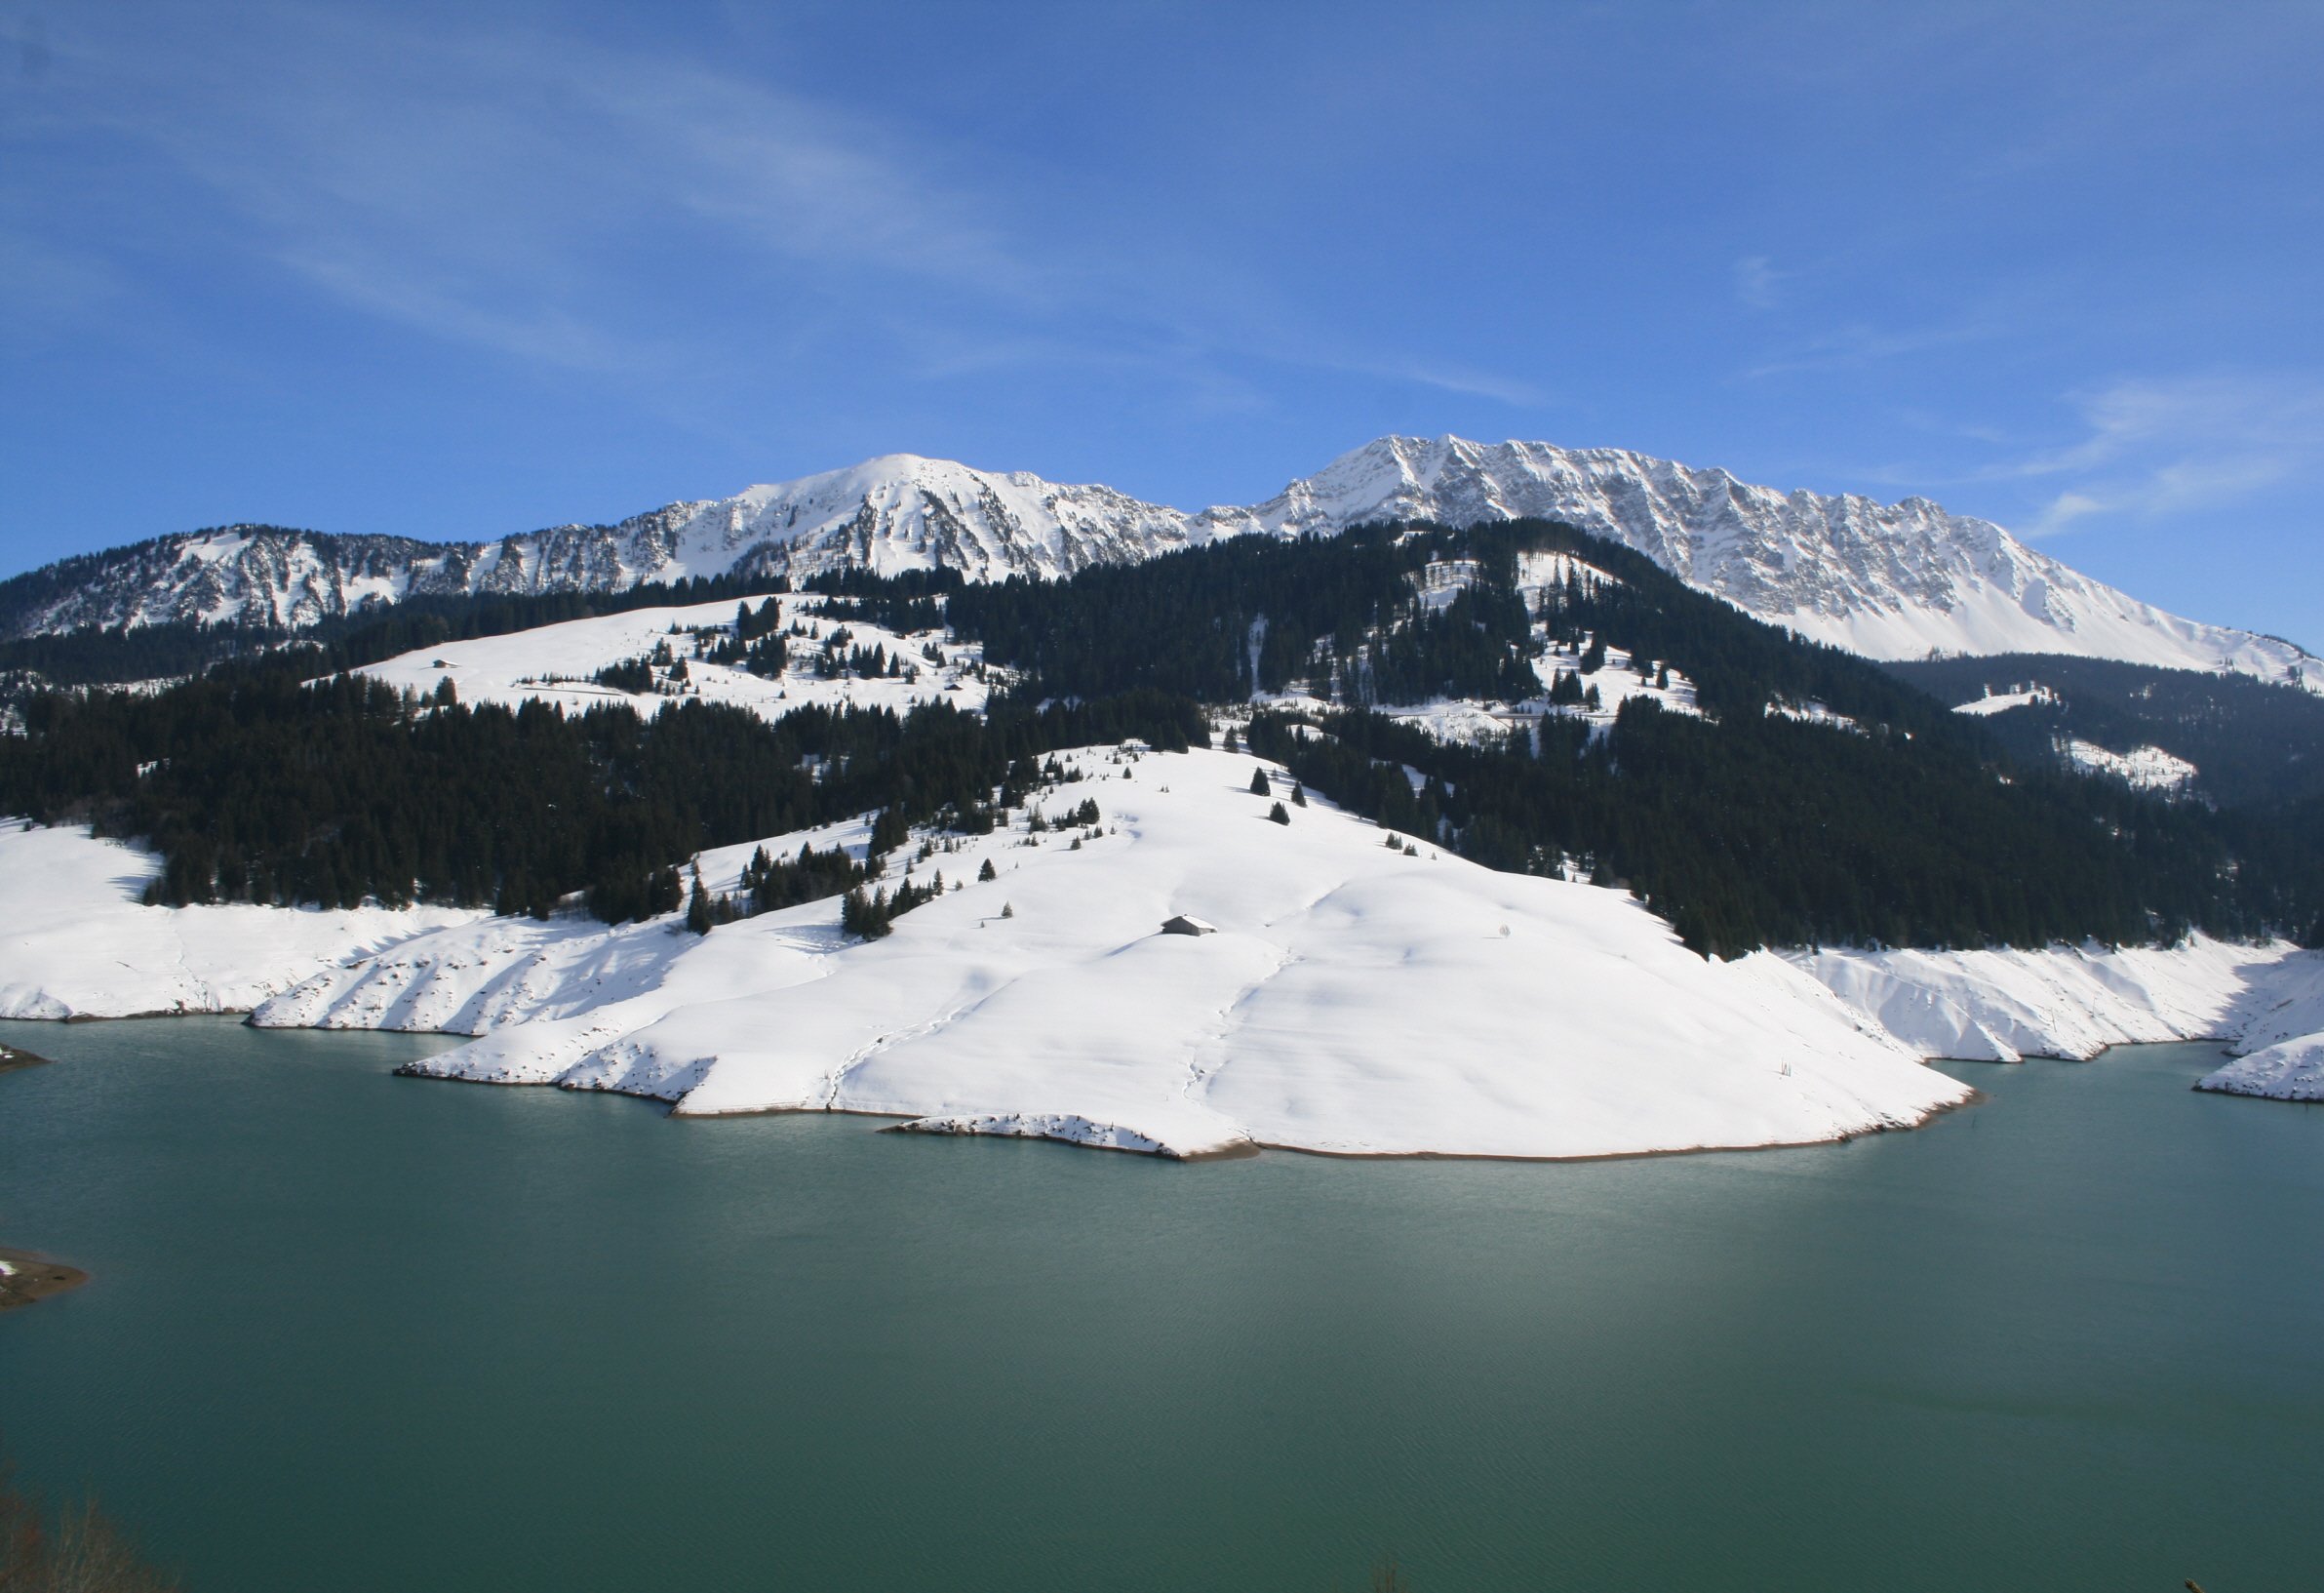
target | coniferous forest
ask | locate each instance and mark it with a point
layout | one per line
(277, 776)
(257, 786)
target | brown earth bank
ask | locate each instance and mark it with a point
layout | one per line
(12, 1059)
(30, 1276)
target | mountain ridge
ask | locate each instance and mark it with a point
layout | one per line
(1897, 581)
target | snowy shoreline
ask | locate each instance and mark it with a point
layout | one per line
(1355, 1001)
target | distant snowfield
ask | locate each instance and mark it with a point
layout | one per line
(1354, 1001)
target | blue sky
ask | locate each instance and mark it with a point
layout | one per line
(460, 271)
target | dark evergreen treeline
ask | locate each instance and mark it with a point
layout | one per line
(770, 884)
(1745, 828)
(756, 643)
(2279, 854)
(257, 787)
(1767, 831)
(2253, 743)
(1352, 615)
(101, 657)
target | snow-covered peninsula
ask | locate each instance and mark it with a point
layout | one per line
(1361, 995)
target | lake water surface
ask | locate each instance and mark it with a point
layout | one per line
(355, 1331)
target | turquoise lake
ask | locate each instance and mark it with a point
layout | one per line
(353, 1331)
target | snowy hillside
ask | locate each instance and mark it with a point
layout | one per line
(1360, 996)
(556, 664)
(2291, 1072)
(1889, 581)
(1356, 998)
(1525, 1017)
(2073, 1002)
(75, 942)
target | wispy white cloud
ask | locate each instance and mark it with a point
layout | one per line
(2061, 512)
(502, 189)
(2155, 448)
(1757, 282)
(1523, 395)
(2145, 448)
(1860, 345)
(560, 203)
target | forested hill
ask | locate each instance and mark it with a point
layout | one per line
(1877, 816)
(97, 655)
(2254, 743)
(1752, 787)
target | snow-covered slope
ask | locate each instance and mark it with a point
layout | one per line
(2003, 1005)
(75, 940)
(2293, 1070)
(555, 663)
(1890, 580)
(2265, 1002)
(1354, 999)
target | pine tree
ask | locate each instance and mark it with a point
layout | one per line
(988, 873)
(1259, 787)
(1278, 815)
(1298, 795)
(891, 829)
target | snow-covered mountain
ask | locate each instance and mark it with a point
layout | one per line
(890, 514)
(1890, 580)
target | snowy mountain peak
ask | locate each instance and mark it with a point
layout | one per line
(1892, 580)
